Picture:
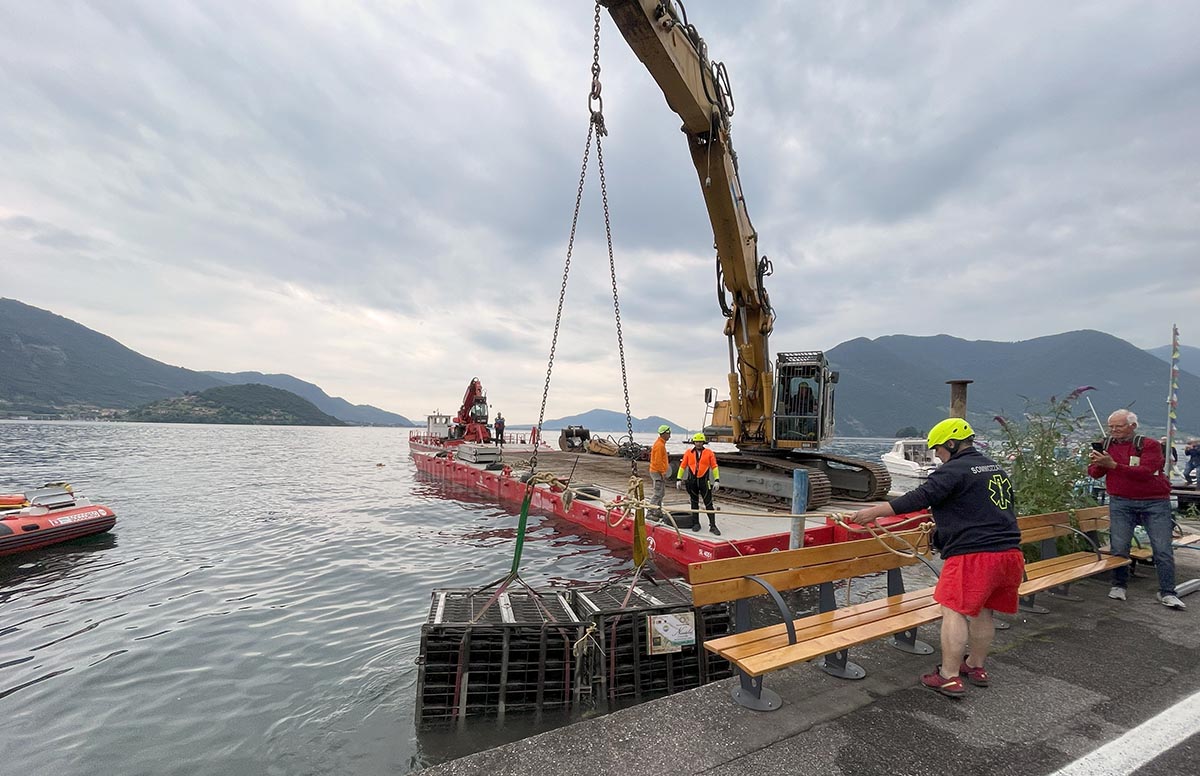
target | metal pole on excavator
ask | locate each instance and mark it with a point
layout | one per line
(958, 397)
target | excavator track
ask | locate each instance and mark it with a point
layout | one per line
(850, 478)
(748, 475)
(829, 476)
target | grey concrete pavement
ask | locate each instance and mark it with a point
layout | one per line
(1064, 683)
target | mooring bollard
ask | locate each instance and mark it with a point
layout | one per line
(799, 507)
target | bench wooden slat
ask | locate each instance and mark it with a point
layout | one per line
(1062, 518)
(1030, 535)
(760, 664)
(733, 589)
(1071, 573)
(1058, 563)
(768, 562)
(767, 631)
(1145, 553)
(852, 616)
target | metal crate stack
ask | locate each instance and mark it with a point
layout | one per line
(516, 657)
(618, 660)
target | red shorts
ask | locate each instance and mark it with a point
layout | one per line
(981, 580)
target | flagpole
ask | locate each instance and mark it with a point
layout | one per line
(1172, 398)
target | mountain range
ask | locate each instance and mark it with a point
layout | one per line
(900, 380)
(56, 366)
(610, 421)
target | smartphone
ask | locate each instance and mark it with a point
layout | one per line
(1098, 447)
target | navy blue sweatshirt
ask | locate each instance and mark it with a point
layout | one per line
(972, 503)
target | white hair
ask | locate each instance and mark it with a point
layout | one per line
(1125, 415)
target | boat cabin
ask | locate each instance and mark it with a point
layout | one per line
(437, 425)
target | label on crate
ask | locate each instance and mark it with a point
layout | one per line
(670, 632)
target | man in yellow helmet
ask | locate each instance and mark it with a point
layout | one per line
(971, 499)
(698, 472)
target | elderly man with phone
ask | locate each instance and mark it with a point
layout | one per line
(1139, 494)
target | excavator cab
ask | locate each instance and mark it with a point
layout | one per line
(803, 403)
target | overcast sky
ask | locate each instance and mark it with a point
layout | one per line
(376, 196)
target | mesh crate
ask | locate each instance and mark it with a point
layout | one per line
(515, 655)
(619, 667)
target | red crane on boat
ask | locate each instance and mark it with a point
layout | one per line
(471, 422)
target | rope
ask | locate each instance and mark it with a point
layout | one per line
(881, 534)
(579, 645)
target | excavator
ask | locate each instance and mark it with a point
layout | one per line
(778, 415)
(471, 422)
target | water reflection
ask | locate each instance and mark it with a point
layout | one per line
(257, 608)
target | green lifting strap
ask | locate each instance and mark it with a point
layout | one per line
(516, 564)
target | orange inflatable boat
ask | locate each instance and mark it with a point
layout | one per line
(48, 515)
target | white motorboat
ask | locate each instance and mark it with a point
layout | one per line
(910, 458)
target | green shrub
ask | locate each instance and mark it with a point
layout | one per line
(1045, 455)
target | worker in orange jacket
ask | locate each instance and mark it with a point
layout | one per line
(659, 467)
(698, 472)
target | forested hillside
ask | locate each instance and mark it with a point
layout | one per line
(241, 404)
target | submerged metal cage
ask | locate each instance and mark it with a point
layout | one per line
(619, 667)
(515, 655)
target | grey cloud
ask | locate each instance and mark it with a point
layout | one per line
(49, 235)
(420, 161)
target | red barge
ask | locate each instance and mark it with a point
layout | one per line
(597, 480)
(48, 515)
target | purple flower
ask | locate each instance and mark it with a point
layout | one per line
(1080, 391)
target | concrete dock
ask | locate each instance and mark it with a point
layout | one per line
(1064, 684)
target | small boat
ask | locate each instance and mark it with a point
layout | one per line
(910, 458)
(48, 515)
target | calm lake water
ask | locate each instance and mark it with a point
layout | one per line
(257, 609)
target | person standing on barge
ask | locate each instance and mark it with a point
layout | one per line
(698, 472)
(659, 467)
(977, 535)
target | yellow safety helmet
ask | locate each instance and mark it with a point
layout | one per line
(699, 437)
(950, 428)
(664, 429)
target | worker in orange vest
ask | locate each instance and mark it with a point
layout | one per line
(698, 472)
(659, 467)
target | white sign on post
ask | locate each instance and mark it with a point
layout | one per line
(670, 632)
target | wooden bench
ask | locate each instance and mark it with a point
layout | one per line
(1054, 573)
(832, 631)
(1146, 554)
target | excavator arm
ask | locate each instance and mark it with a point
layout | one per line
(698, 91)
(471, 422)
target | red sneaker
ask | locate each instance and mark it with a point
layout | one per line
(976, 676)
(951, 688)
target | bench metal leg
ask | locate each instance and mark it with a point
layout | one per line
(838, 664)
(1027, 604)
(1064, 592)
(750, 693)
(908, 642)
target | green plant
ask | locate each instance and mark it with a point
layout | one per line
(1046, 460)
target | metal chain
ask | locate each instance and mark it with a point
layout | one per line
(612, 268)
(597, 129)
(562, 294)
